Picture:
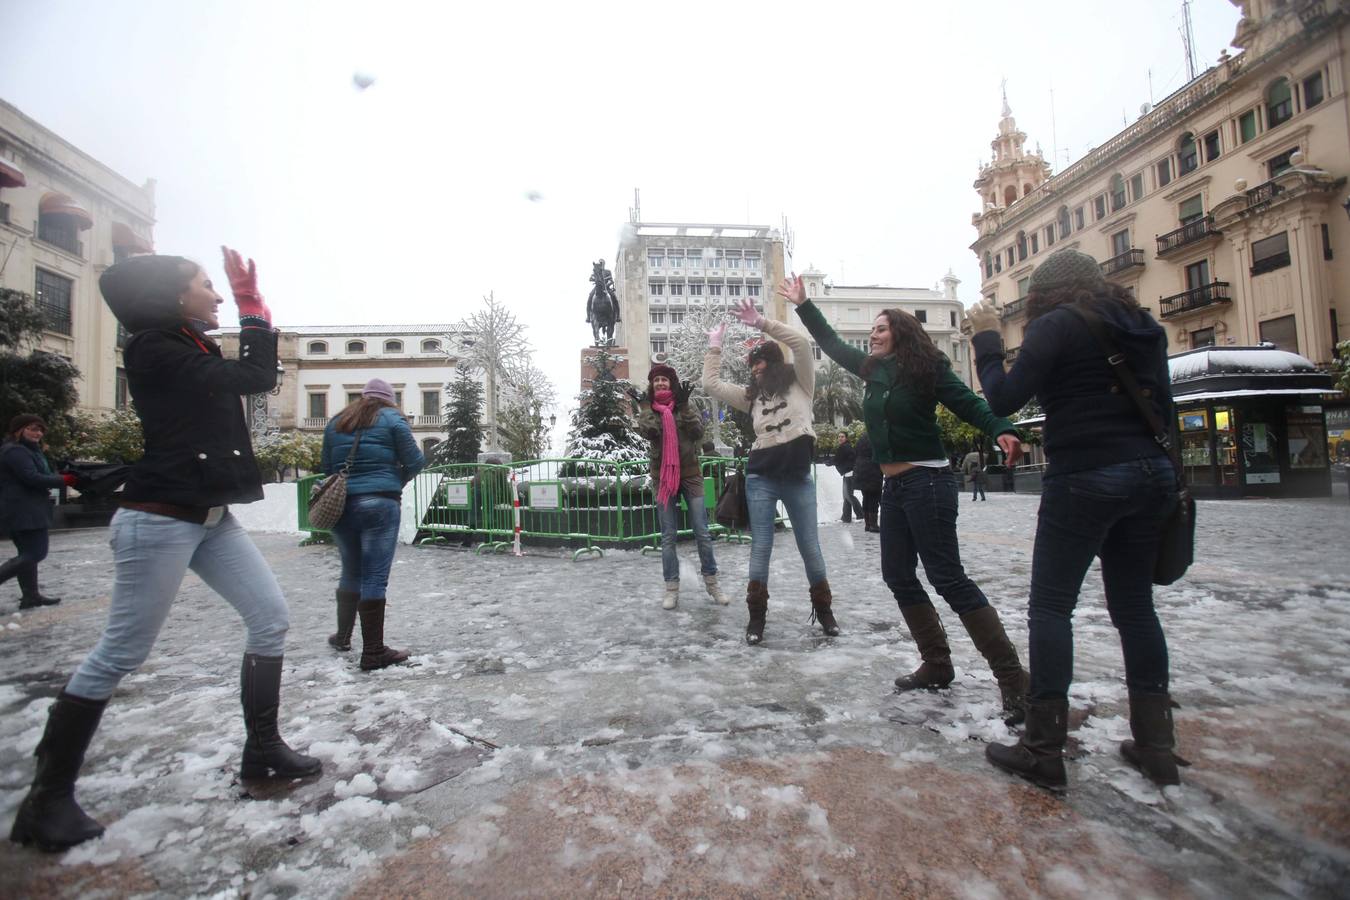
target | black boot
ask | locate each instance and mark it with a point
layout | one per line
(821, 600)
(346, 620)
(757, 600)
(1154, 738)
(11, 567)
(936, 669)
(49, 815)
(374, 653)
(1039, 755)
(28, 584)
(265, 753)
(986, 631)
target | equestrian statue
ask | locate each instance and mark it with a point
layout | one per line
(602, 306)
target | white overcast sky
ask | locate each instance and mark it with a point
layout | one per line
(863, 123)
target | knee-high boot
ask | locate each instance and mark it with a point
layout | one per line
(346, 619)
(49, 816)
(374, 653)
(265, 753)
(986, 631)
(936, 669)
(757, 600)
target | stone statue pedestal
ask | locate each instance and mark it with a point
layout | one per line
(620, 370)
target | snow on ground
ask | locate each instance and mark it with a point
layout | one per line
(544, 686)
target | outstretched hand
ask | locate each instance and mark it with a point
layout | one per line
(983, 316)
(1012, 446)
(682, 395)
(715, 335)
(747, 313)
(244, 285)
(792, 290)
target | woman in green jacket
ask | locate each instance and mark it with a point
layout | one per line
(906, 376)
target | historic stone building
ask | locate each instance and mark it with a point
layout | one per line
(64, 218)
(1223, 208)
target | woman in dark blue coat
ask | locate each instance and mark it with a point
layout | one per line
(25, 479)
(367, 534)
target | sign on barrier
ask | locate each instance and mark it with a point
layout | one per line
(457, 492)
(546, 495)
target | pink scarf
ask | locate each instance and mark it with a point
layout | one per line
(664, 403)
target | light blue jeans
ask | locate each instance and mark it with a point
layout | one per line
(151, 554)
(692, 489)
(762, 493)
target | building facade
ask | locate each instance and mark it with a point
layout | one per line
(851, 309)
(662, 270)
(65, 218)
(1223, 208)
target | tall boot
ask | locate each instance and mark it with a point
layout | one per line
(1039, 755)
(986, 630)
(821, 600)
(265, 753)
(49, 815)
(936, 669)
(11, 567)
(346, 619)
(28, 585)
(1154, 738)
(374, 653)
(757, 599)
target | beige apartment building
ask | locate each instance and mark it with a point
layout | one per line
(64, 218)
(1224, 208)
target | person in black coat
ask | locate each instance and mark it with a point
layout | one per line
(867, 478)
(174, 517)
(844, 456)
(25, 479)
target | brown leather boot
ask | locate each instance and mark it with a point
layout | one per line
(346, 620)
(1154, 738)
(986, 630)
(1039, 755)
(374, 653)
(821, 600)
(757, 599)
(936, 669)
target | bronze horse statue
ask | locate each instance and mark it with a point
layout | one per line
(602, 306)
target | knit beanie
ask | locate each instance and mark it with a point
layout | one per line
(143, 291)
(378, 387)
(769, 351)
(23, 420)
(1067, 268)
(667, 371)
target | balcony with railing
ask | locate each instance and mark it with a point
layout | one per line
(314, 423)
(1121, 262)
(436, 421)
(1196, 230)
(1015, 308)
(1196, 298)
(1263, 194)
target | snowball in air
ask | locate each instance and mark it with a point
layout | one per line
(362, 80)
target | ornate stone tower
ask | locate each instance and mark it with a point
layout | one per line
(1014, 172)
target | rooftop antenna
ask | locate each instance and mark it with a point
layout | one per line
(1054, 132)
(1188, 39)
(635, 211)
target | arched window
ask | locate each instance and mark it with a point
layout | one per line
(431, 345)
(317, 348)
(1026, 189)
(1117, 192)
(428, 444)
(1009, 195)
(1187, 156)
(393, 346)
(1021, 245)
(1065, 226)
(1279, 103)
(356, 346)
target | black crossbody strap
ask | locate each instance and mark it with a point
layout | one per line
(1161, 433)
(351, 454)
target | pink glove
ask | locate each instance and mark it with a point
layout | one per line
(715, 335)
(244, 284)
(748, 314)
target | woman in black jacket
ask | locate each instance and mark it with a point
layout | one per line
(25, 479)
(867, 478)
(174, 517)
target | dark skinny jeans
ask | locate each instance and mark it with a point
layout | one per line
(918, 522)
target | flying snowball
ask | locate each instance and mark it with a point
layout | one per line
(533, 196)
(362, 80)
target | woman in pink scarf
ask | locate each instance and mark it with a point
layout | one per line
(675, 430)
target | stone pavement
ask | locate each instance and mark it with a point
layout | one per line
(561, 735)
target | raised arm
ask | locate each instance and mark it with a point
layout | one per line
(732, 395)
(831, 345)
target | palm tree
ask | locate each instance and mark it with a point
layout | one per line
(839, 394)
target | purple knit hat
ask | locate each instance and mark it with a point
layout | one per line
(378, 387)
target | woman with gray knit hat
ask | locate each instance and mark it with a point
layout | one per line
(1107, 489)
(175, 516)
(373, 441)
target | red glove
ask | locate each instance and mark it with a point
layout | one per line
(244, 284)
(69, 479)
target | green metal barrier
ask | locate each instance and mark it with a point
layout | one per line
(316, 535)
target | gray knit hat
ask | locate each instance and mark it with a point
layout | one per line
(1067, 268)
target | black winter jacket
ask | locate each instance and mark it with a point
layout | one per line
(198, 450)
(843, 458)
(866, 472)
(1090, 421)
(25, 479)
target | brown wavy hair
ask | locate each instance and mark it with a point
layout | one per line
(917, 358)
(360, 413)
(1041, 302)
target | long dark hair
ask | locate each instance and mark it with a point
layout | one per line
(1043, 301)
(917, 358)
(360, 413)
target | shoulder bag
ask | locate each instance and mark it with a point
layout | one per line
(328, 498)
(732, 509)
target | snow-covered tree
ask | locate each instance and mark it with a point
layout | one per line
(492, 341)
(463, 426)
(603, 426)
(687, 347)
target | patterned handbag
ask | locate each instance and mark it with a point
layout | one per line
(328, 498)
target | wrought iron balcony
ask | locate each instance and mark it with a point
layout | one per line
(1134, 257)
(1263, 194)
(1196, 298)
(1017, 307)
(1193, 231)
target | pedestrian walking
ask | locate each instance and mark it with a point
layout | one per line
(844, 456)
(25, 504)
(1108, 488)
(374, 443)
(905, 377)
(674, 429)
(778, 400)
(175, 516)
(867, 476)
(973, 466)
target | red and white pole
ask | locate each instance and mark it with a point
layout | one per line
(515, 504)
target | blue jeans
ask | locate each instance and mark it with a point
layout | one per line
(151, 554)
(692, 490)
(918, 523)
(762, 493)
(1113, 512)
(366, 536)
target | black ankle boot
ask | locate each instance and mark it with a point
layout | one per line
(28, 585)
(1039, 755)
(265, 753)
(821, 602)
(49, 816)
(346, 620)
